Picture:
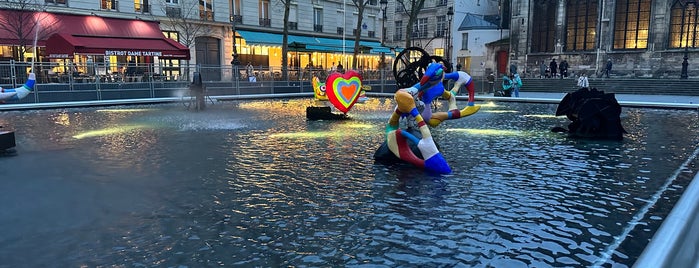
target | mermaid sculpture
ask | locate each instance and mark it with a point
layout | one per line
(14, 94)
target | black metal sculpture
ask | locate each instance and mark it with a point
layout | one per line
(595, 115)
(410, 65)
(7, 141)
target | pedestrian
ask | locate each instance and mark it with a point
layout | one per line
(516, 84)
(513, 69)
(554, 67)
(340, 68)
(506, 87)
(608, 69)
(564, 68)
(458, 66)
(582, 80)
(491, 82)
(542, 70)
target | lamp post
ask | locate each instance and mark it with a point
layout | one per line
(384, 5)
(685, 63)
(447, 53)
(235, 62)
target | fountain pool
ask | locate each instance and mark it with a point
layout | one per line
(252, 183)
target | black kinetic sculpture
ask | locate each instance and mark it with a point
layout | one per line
(595, 115)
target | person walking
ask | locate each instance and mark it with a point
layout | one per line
(582, 80)
(491, 83)
(516, 84)
(554, 67)
(506, 87)
(608, 69)
(542, 70)
(564, 69)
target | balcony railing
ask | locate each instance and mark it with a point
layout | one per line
(422, 34)
(265, 22)
(371, 34)
(206, 15)
(173, 12)
(237, 19)
(57, 2)
(318, 28)
(340, 30)
(292, 25)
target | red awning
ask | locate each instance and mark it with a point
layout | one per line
(64, 46)
(64, 34)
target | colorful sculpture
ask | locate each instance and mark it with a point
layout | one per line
(423, 94)
(18, 93)
(343, 90)
(318, 89)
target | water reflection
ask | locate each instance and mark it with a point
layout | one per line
(236, 185)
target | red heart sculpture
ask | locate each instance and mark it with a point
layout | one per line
(343, 89)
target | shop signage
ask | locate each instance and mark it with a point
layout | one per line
(132, 53)
(60, 56)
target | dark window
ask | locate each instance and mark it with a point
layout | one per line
(631, 24)
(683, 24)
(581, 25)
(544, 26)
(108, 4)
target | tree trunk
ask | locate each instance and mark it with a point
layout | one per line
(285, 39)
(358, 35)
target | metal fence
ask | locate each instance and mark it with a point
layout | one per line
(96, 81)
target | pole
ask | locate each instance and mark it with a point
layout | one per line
(685, 63)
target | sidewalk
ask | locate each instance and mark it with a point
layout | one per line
(626, 100)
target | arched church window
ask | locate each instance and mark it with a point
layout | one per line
(683, 24)
(544, 26)
(581, 25)
(631, 24)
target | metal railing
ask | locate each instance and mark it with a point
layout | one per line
(99, 81)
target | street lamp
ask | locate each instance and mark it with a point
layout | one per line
(235, 62)
(384, 5)
(450, 14)
(685, 63)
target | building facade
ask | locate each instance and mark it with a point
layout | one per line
(641, 38)
(322, 30)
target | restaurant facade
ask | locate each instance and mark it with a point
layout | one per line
(111, 40)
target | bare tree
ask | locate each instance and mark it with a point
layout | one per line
(285, 39)
(186, 19)
(25, 22)
(412, 8)
(360, 4)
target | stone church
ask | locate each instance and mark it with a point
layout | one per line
(642, 38)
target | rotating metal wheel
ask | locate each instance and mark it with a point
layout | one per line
(410, 65)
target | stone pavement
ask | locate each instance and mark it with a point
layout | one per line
(627, 100)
